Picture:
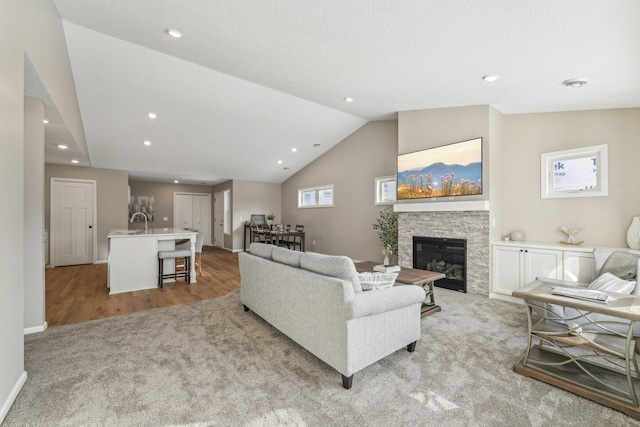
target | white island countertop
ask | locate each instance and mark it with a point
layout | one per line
(167, 232)
(133, 257)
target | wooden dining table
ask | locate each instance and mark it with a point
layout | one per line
(280, 236)
(277, 235)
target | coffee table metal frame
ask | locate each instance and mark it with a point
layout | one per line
(580, 354)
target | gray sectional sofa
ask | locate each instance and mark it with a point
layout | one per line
(317, 301)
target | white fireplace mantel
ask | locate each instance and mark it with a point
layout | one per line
(469, 205)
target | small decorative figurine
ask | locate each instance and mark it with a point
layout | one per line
(571, 232)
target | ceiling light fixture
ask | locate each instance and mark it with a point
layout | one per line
(174, 33)
(279, 162)
(176, 181)
(490, 77)
(75, 161)
(348, 99)
(574, 83)
(62, 146)
(294, 149)
(152, 115)
(45, 121)
(147, 143)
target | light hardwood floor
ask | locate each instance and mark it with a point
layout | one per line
(79, 293)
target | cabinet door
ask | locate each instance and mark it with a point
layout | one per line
(542, 263)
(578, 266)
(507, 269)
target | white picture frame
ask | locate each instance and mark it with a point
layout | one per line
(579, 172)
(386, 190)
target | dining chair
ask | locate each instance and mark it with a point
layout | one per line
(295, 242)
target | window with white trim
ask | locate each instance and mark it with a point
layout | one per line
(386, 190)
(316, 197)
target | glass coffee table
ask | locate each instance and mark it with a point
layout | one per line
(412, 276)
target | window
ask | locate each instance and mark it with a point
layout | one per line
(581, 172)
(386, 190)
(316, 197)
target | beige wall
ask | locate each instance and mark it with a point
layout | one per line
(22, 25)
(250, 197)
(228, 238)
(111, 189)
(34, 284)
(351, 166)
(605, 219)
(162, 193)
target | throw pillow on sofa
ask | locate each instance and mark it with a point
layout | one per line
(375, 281)
(609, 282)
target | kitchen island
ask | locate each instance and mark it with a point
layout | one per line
(133, 257)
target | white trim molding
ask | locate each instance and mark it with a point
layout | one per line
(471, 205)
(4, 409)
(36, 329)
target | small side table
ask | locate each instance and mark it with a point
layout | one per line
(412, 276)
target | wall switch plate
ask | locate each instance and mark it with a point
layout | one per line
(166, 218)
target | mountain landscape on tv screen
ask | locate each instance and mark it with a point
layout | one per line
(440, 180)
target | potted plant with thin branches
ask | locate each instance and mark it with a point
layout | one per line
(387, 227)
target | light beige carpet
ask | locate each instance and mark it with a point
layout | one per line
(210, 363)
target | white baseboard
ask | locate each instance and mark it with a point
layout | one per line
(101, 261)
(36, 329)
(508, 298)
(4, 409)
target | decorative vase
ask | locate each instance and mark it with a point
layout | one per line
(633, 233)
(386, 260)
(517, 236)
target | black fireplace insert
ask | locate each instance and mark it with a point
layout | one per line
(443, 255)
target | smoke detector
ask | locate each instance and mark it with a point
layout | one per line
(574, 83)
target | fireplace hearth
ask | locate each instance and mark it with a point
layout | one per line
(442, 255)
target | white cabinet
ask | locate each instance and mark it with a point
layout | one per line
(514, 266)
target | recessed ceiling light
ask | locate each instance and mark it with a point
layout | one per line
(74, 161)
(574, 82)
(279, 162)
(174, 33)
(490, 77)
(152, 115)
(294, 149)
(62, 146)
(176, 181)
(147, 143)
(348, 99)
(45, 121)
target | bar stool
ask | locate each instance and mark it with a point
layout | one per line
(181, 253)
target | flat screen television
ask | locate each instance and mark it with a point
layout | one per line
(445, 171)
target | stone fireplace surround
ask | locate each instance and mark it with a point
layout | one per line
(472, 225)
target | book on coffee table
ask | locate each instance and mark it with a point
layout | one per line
(586, 294)
(387, 268)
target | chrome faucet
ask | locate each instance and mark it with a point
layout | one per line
(146, 228)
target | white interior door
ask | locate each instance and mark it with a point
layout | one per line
(72, 209)
(218, 220)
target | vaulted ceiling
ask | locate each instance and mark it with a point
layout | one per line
(251, 80)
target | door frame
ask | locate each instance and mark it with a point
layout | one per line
(218, 197)
(53, 234)
(187, 193)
